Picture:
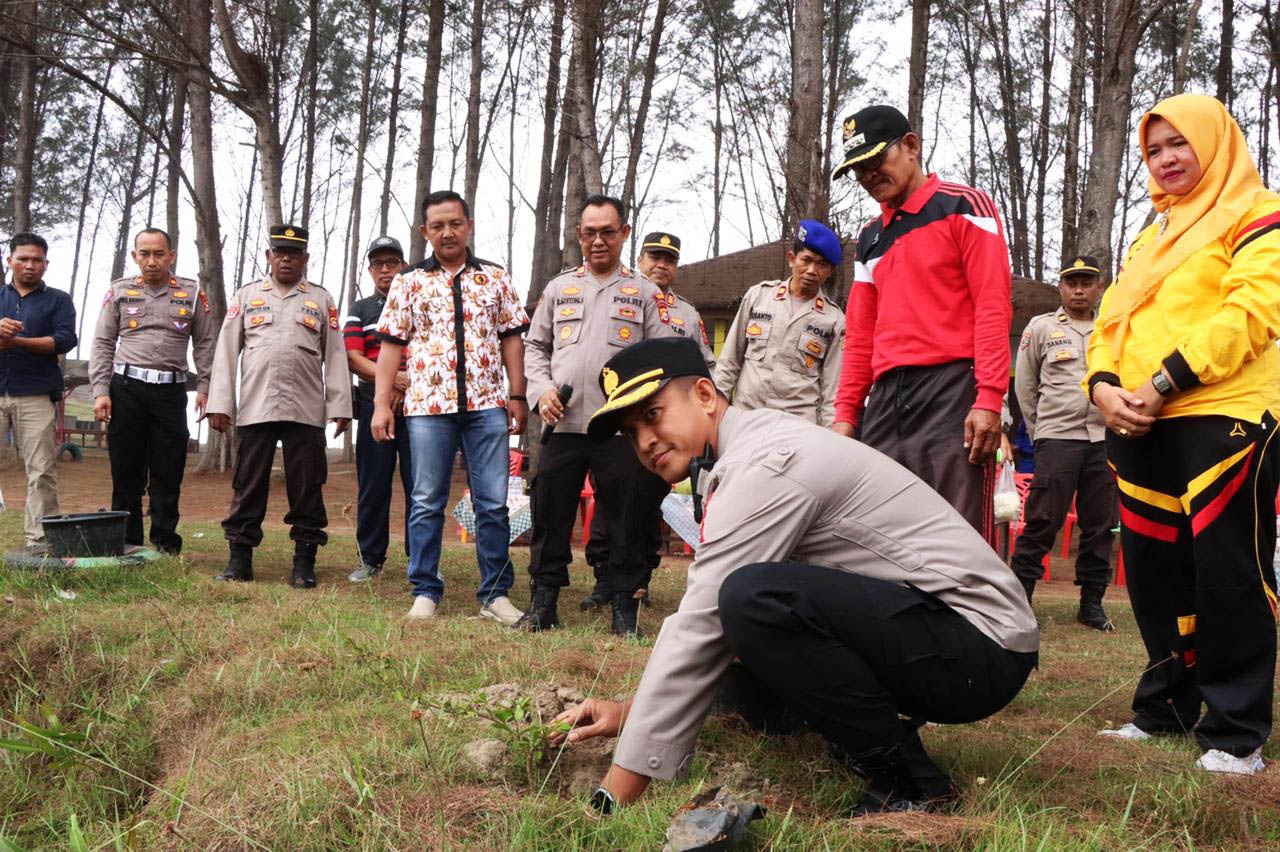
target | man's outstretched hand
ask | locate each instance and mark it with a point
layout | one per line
(592, 718)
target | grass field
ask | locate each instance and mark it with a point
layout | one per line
(155, 709)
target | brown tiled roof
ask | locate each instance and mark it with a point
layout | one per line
(716, 285)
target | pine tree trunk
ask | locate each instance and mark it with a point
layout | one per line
(1071, 144)
(427, 131)
(393, 119)
(26, 16)
(642, 110)
(543, 221)
(88, 181)
(805, 186)
(586, 36)
(471, 159)
(177, 125)
(362, 141)
(918, 63)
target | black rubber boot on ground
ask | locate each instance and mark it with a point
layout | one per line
(1091, 613)
(599, 597)
(625, 606)
(304, 565)
(239, 567)
(935, 785)
(1028, 586)
(541, 614)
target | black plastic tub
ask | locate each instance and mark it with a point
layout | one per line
(85, 534)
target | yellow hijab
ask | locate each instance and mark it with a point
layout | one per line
(1229, 187)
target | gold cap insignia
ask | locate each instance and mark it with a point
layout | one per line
(666, 241)
(288, 232)
(1079, 264)
(610, 380)
(850, 126)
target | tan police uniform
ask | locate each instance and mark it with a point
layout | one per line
(579, 323)
(794, 501)
(685, 321)
(783, 357)
(293, 374)
(1071, 458)
(139, 360)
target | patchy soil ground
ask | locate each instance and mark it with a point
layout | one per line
(148, 708)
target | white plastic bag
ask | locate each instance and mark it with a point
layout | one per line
(1007, 503)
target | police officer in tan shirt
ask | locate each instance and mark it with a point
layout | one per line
(282, 334)
(1068, 432)
(842, 582)
(138, 370)
(784, 348)
(659, 261)
(584, 317)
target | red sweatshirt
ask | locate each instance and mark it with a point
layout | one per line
(931, 285)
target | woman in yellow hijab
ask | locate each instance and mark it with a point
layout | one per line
(1184, 367)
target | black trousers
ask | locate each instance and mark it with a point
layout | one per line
(915, 416)
(1066, 469)
(1198, 530)
(849, 653)
(147, 445)
(557, 487)
(306, 468)
(375, 477)
(652, 490)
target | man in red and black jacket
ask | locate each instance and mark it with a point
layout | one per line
(375, 462)
(926, 357)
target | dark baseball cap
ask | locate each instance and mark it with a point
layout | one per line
(384, 243)
(288, 236)
(1080, 264)
(868, 132)
(637, 373)
(661, 241)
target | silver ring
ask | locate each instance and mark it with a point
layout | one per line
(1124, 432)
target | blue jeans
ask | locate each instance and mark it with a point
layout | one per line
(434, 440)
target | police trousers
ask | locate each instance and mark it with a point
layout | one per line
(1067, 469)
(849, 654)
(147, 444)
(306, 469)
(557, 489)
(915, 416)
(651, 491)
(1198, 530)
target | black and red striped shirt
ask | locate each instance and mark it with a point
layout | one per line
(360, 334)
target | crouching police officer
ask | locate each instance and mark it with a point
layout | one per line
(283, 333)
(843, 583)
(138, 369)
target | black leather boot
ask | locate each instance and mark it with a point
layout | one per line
(541, 614)
(1091, 613)
(599, 597)
(239, 567)
(890, 787)
(304, 565)
(625, 607)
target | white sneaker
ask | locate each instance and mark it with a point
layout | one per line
(501, 609)
(423, 607)
(1215, 760)
(1127, 731)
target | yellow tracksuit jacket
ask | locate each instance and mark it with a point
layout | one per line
(1212, 323)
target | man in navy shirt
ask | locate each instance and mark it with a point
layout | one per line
(37, 324)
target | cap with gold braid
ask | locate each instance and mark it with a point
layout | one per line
(868, 132)
(661, 241)
(637, 373)
(1080, 264)
(288, 236)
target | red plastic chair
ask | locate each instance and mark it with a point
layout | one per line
(1023, 483)
(587, 508)
(515, 462)
(1067, 526)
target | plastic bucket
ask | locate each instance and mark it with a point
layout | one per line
(85, 534)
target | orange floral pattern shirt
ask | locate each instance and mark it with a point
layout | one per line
(452, 328)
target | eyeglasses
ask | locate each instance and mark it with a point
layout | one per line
(873, 164)
(386, 263)
(589, 234)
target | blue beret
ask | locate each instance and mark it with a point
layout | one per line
(816, 236)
